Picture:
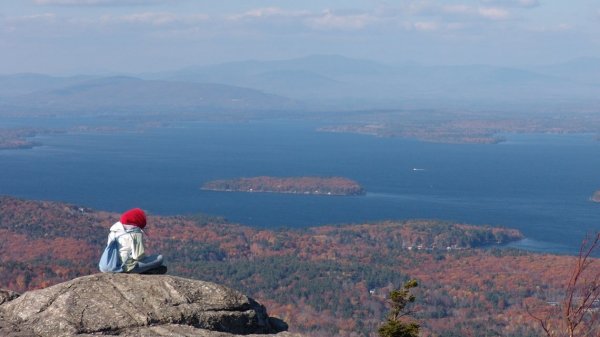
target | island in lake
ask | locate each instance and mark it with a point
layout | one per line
(11, 139)
(596, 196)
(294, 185)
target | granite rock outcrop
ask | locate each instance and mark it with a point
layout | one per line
(135, 305)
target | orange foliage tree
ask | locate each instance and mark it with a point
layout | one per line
(578, 314)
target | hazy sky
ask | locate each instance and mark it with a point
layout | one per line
(56, 36)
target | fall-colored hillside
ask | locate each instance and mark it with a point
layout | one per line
(323, 281)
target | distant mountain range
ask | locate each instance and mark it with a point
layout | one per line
(319, 82)
(40, 95)
(336, 81)
(585, 70)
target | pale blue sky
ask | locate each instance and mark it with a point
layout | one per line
(59, 36)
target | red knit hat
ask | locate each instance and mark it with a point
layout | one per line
(135, 217)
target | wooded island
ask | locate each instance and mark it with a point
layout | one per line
(596, 196)
(293, 185)
(11, 139)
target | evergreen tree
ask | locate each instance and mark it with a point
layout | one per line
(397, 324)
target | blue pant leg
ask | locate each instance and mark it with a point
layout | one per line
(147, 263)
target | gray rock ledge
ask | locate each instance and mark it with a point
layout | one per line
(7, 295)
(136, 305)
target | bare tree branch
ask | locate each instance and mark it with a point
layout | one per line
(579, 316)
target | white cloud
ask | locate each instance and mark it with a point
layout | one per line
(457, 9)
(463, 18)
(427, 26)
(325, 20)
(98, 2)
(512, 3)
(564, 27)
(38, 17)
(456, 26)
(494, 13)
(261, 12)
(158, 18)
(149, 18)
(330, 20)
(445, 12)
(434, 26)
(31, 19)
(267, 12)
(528, 3)
(558, 28)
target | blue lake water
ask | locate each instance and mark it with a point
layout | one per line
(540, 184)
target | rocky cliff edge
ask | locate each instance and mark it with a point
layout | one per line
(135, 305)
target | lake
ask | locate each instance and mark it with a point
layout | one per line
(540, 184)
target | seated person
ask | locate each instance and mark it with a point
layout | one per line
(129, 234)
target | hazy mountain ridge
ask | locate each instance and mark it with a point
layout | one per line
(22, 84)
(584, 70)
(343, 82)
(318, 82)
(129, 95)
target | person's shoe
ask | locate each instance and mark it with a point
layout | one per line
(156, 271)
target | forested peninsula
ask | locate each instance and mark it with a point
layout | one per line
(293, 185)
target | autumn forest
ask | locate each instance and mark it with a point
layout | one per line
(324, 281)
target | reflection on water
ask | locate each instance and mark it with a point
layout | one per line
(539, 246)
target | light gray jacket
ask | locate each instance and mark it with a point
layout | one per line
(131, 245)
